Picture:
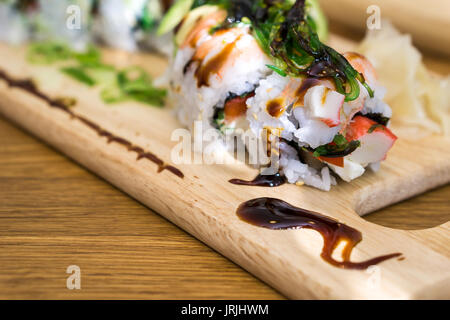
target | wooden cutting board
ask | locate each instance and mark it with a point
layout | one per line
(204, 203)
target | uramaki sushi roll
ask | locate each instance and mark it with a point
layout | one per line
(131, 25)
(15, 18)
(46, 21)
(123, 24)
(260, 65)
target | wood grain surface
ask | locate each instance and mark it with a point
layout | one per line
(54, 213)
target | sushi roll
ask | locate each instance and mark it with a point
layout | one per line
(15, 17)
(131, 24)
(261, 66)
(124, 24)
(56, 22)
(46, 20)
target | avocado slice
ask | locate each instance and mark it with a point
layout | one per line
(174, 16)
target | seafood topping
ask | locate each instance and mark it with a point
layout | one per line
(376, 140)
(236, 106)
(325, 104)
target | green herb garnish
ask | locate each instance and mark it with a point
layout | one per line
(340, 140)
(340, 147)
(48, 53)
(87, 67)
(133, 84)
(374, 127)
(147, 21)
(377, 117)
(80, 75)
(277, 70)
(219, 120)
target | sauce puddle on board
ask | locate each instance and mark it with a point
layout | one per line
(276, 214)
(274, 180)
(29, 86)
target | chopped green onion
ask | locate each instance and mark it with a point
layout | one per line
(79, 74)
(374, 127)
(277, 70)
(47, 53)
(340, 140)
(87, 67)
(340, 148)
(134, 84)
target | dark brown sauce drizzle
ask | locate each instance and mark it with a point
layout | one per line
(274, 180)
(29, 86)
(213, 66)
(301, 91)
(275, 107)
(276, 214)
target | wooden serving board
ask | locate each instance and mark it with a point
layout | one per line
(204, 203)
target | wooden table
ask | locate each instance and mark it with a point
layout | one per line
(54, 214)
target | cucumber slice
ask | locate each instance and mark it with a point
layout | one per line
(191, 20)
(174, 16)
